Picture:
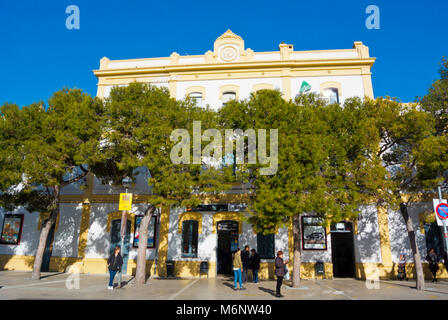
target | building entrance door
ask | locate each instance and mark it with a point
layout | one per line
(227, 243)
(343, 250)
(115, 240)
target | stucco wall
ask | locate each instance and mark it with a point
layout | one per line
(98, 239)
(367, 241)
(30, 234)
(399, 240)
(208, 241)
(66, 236)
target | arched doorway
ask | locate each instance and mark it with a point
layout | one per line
(227, 243)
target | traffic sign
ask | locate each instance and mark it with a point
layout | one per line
(436, 203)
(125, 202)
(442, 210)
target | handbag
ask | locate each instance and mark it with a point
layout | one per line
(286, 277)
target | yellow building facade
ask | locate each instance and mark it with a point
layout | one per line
(182, 240)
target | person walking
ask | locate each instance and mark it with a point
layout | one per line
(237, 266)
(280, 266)
(245, 258)
(254, 264)
(114, 264)
(433, 260)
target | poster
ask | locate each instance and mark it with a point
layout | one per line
(151, 231)
(313, 234)
(125, 203)
(12, 229)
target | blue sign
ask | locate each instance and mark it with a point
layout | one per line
(442, 210)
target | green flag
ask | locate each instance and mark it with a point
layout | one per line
(305, 87)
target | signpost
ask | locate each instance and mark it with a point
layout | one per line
(125, 205)
(441, 209)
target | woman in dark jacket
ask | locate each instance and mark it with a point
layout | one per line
(433, 260)
(279, 272)
(114, 264)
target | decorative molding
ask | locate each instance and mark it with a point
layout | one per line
(331, 84)
(310, 64)
(196, 216)
(229, 35)
(261, 86)
(84, 229)
(383, 225)
(104, 63)
(228, 88)
(199, 89)
(221, 216)
(174, 58)
(116, 215)
(285, 50)
(361, 49)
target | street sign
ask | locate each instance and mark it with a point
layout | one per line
(125, 202)
(436, 203)
(442, 210)
(305, 87)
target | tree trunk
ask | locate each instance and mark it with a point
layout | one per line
(45, 230)
(296, 233)
(420, 281)
(140, 273)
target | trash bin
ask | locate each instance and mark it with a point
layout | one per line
(170, 269)
(203, 268)
(319, 269)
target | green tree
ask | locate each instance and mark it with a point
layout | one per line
(43, 149)
(436, 100)
(139, 121)
(410, 152)
(327, 162)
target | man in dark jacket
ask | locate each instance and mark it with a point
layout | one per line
(245, 258)
(254, 264)
(114, 264)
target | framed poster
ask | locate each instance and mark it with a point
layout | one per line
(12, 229)
(152, 231)
(313, 234)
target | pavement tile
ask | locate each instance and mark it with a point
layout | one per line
(18, 285)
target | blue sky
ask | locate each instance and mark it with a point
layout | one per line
(39, 55)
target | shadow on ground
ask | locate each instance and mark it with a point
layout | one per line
(270, 291)
(51, 275)
(126, 282)
(228, 284)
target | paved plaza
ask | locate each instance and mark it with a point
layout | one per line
(18, 285)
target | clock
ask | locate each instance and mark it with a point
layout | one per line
(228, 53)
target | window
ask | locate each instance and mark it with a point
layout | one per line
(227, 96)
(12, 229)
(190, 239)
(332, 95)
(152, 231)
(266, 246)
(197, 98)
